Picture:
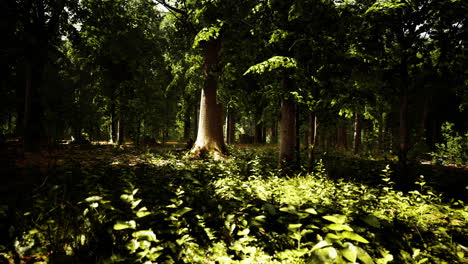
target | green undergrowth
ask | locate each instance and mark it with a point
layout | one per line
(168, 209)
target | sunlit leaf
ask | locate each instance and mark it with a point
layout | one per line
(142, 213)
(243, 232)
(311, 211)
(354, 236)
(183, 211)
(363, 256)
(120, 225)
(339, 227)
(127, 198)
(338, 219)
(320, 245)
(294, 226)
(349, 252)
(290, 209)
(93, 199)
(145, 234)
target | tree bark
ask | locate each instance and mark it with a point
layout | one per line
(312, 140)
(32, 131)
(341, 138)
(230, 126)
(287, 155)
(357, 133)
(210, 139)
(187, 118)
(403, 129)
(274, 132)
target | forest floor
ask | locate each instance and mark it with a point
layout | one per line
(106, 204)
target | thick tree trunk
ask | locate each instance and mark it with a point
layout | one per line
(312, 140)
(210, 140)
(32, 107)
(403, 129)
(357, 133)
(287, 155)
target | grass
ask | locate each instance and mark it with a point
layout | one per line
(106, 205)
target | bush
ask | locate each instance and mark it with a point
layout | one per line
(454, 149)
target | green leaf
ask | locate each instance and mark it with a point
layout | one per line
(183, 211)
(272, 64)
(310, 211)
(363, 256)
(143, 212)
(93, 199)
(120, 225)
(207, 33)
(371, 220)
(320, 245)
(339, 227)
(145, 234)
(290, 209)
(127, 198)
(243, 232)
(294, 226)
(349, 252)
(269, 208)
(338, 219)
(354, 236)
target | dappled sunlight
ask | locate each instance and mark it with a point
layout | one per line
(148, 206)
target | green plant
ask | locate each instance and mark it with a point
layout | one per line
(454, 149)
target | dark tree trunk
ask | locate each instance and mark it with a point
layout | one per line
(114, 123)
(341, 138)
(357, 133)
(298, 138)
(258, 133)
(230, 126)
(287, 155)
(210, 139)
(32, 131)
(274, 132)
(403, 130)
(196, 113)
(312, 140)
(381, 136)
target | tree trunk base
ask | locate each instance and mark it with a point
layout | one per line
(207, 152)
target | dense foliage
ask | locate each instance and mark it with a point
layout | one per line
(356, 111)
(107, 205)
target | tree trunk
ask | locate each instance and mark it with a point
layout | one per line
(403, 130)
(196, 113)
(113, 124)
(230, 126)
(312, 140)
(298, 138)
(187, 122)
(357, 133)
(210, 139)
(341, 138)
(381, 137)
(32, 107)
(274, 132)
(287, 129)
